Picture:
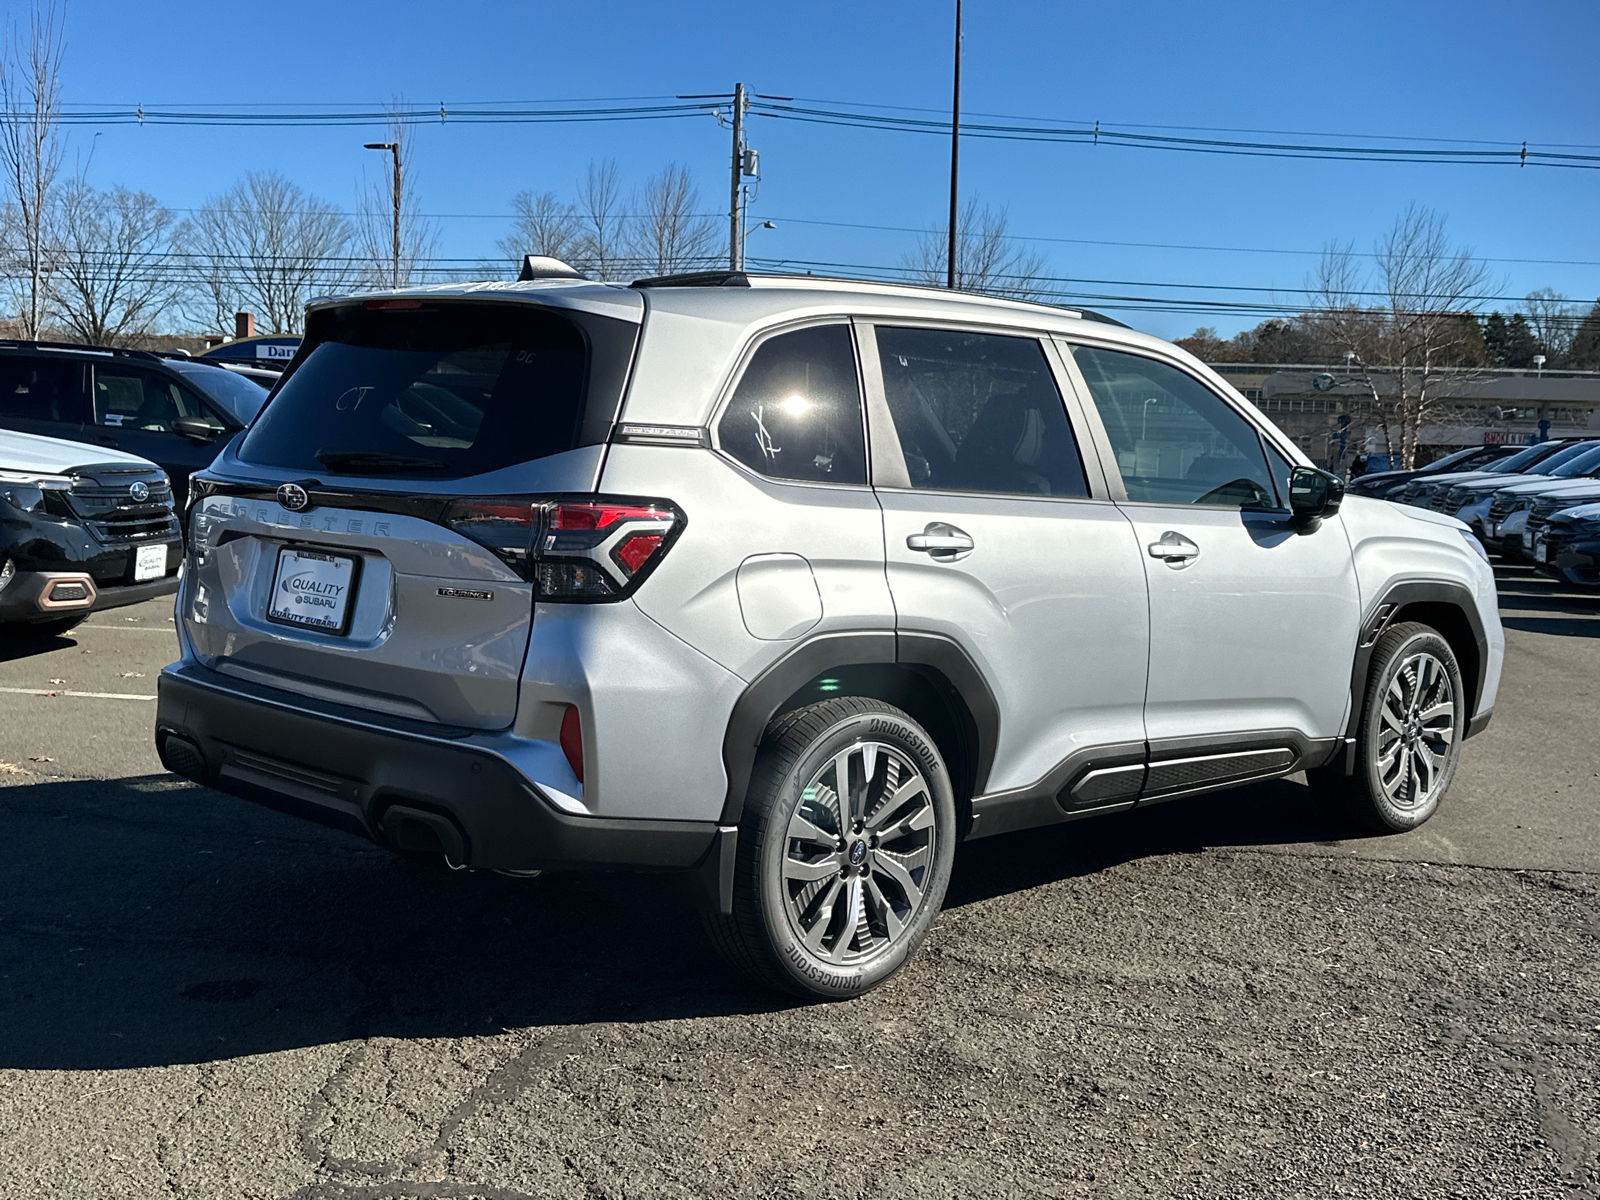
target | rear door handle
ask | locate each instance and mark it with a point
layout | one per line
(943, 542)
(1174, 549)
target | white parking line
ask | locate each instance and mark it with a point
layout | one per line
(78, 695)
(134, 628)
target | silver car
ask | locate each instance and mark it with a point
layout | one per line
(791, 585)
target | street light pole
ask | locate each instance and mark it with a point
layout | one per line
(394, 149)
(955, 151)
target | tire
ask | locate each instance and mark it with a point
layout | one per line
(797, 882)
(43, 629)
(1405, 757)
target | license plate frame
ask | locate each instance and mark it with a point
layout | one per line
(326, 568)
(1541, 550)
(149, 562)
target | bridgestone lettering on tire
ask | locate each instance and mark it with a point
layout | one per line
(1409, 740)
(844, 850)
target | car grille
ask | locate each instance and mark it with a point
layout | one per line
(1501, 508)
(1447, 500)
(101, 498)
(1412, 493)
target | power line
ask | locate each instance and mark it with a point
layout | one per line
(1458, 151)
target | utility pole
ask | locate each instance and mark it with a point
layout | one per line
(735, 242)
(394, 149)
(955, 152)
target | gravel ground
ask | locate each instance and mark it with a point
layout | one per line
(1216, 998)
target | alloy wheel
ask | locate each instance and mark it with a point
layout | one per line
(1416, 731)
(857, 852)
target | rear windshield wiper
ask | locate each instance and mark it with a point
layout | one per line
(367, 462)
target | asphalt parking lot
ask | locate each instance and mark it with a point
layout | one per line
(1217, 997)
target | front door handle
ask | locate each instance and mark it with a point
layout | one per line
(941, 541)
(1174, 549)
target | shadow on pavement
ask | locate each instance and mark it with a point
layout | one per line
(1534, 603)
(151, 922)
(16, 645)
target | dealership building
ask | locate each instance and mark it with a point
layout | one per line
(1331, 415)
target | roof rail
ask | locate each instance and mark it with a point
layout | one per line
(24, 344)
(696, 279)
(1102, 318)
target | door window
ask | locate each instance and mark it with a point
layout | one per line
(978, 412)
(797, 412)
(41, 389)
(1175, 440)
(127, 398)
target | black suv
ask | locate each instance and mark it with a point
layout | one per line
(175, 411)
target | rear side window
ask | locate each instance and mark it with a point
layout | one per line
(42, 389)
(443, 391)
(978, 412)
(796, 413)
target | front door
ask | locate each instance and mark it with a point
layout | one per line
(996, 540)
(135, 409)
(1253, 623)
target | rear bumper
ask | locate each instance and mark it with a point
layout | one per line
(403, 788)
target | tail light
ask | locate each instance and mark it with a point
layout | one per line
(573, 549)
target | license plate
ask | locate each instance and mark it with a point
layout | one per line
(312, 590)
(1540, 551)
(149, 562)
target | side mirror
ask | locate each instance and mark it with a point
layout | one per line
(1313, 495)
(196, 429)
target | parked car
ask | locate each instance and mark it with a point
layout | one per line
(177, 412)
(81, 529)
(1568, 547)
(1473, 458)
(568, 574)
(1473, 501)
(1538, 460)
(1546, 508)
(1510, 519)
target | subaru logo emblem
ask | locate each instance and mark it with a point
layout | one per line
(139, 491)
(858, 853)
(293, 497)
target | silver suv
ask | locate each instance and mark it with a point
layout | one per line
(792, 585)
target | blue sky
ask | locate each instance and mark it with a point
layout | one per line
(1461, 69)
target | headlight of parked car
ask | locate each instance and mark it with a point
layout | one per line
(1475, 544)
(26, 489)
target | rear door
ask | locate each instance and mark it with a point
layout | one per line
(1000, 537)
(1253, 624)
(44, 394)
(420, 440)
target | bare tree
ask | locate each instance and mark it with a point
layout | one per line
(542, 225)
(1553, 320)
(600, 222)
(988, 259)
(111, 279)
(30, 151)
(668, 234)
(376, 210)
(1401, 347)
(267, 247)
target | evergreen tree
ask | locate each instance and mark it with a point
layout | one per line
(1584, 353)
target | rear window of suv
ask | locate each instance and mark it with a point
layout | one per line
(442, 390)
